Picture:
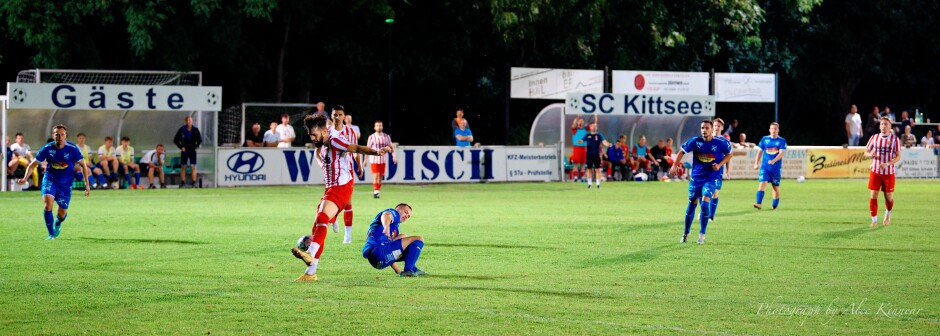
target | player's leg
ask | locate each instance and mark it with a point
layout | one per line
(192, 172)
(874, 185)
(588, 175)
(162, 176)
(776, 194)
(183, 166)
(114, 169)
(412, 246)
(150, 176)
(326, 210)
(48, 201)
(136, 168)
(714, 202)
(376, 180)
(708, 189)
(62, 198)
(889, 197)
(762, 178)
(695, 193)
(348, 222)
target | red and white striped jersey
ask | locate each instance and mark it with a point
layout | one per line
(378, 141)
(347, 133)
(885, 148)
(336, 164)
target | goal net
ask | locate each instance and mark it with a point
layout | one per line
(236, 121)
(110, 77)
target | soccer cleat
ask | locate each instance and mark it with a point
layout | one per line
(873, 224)
(418, 272)
(133, 186)
(57, 229)
(151, 187)
(375, 195)
(589, 186)
(347, 240)
(683, 239)
(162, 186)
(711, 219)
(302, 256)
(335, 227)
(409, 274)
(757, 206)
(141, 187)
(306, 277)
(701, 239)
(50, 237)
(887, 220)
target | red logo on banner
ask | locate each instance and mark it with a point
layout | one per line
(639, 82)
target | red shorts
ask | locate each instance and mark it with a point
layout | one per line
(339, 195)
(879, 182)
(579, 156)
(378, 168)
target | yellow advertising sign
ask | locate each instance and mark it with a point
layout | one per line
(836, 163)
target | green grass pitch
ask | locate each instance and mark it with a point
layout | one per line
(536, 258)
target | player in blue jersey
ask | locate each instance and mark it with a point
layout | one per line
(708, 155)
(718, 126)
(769, 161)
(385, 245)
(60, 157)
(593, 142)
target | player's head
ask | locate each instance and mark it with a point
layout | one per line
(188, 120)
(256, 127)
(853, 109)
(642, 140)
(774, 129)
(379, 126)
(622, 138)
(463, 124)
(904, 114)
(874, 110)
(160, 147)
(316, 128)
(592, 127)
(285, 119)
(742, 137)
(339, 115)
(58, 134)
(718, 125)
(81, 138)
(125, 141)
(669, 142)
(460, 112)
(706, 128)
(348, 119)
(321, 106)
(19, 138)
(885, 125)
(661, 143)
(404, 209)
(108, 141)
(579, 122)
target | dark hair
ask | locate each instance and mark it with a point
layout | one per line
(81, 134)
(161, 145)
(18, 134)
(56, 127)
(339, 107)
(379, 121)
(460, 109)
(107, 138)
(125, 138)
(316, 120)
(404, 204)
(706, 121)
(285, 115)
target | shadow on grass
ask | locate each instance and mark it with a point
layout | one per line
(139, 241)
(466, 277)
(852, 233)
(636, 256)
(488, 246)
(835, 248)
(566, 294)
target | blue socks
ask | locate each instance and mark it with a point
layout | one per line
(127, 178)
(776, 202)
(703, 216)
(711, 214)
(58, 224)
(47, 214)
(101, 180)
(137, 178)
(689, 214)
(412, 252)
(760, 197)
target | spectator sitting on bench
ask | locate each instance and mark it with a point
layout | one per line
(641, 154)
(95, 171)
(154, 160)
(107, 162)
(125, 157)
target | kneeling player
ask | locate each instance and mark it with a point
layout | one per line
(385, 245)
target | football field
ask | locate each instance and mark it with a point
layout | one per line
(535, 258)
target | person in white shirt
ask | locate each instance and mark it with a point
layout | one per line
(125, 156)
(286, 132)
(154, 160)
(927, 140)
(271, 137)
(853, 126)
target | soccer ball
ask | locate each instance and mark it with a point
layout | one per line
(641, 177)
(303, 243)
(801, 179)
(115, 185)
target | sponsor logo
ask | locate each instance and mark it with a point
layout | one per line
(639, 82)
(244, 165)
(706, 158)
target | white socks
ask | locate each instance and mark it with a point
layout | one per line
(312, 249)
(348, 235)
(312, 269)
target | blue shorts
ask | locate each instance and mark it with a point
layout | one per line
(385, 254)
(699, 189)
(188, 157)
(718, 182)
(769, 175)
(61, 193)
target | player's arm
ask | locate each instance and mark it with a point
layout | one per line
(354, 148)
(723, 161)
(396, 269)
(316, 153)
(29, 170)
(675, 165)
(87, 172)
(779, 156)
(386, 224)
(760, 154)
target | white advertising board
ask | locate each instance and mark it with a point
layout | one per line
(660, 82)
(114, 97)
(536, 83)
(745, 87)
(917, 163)
(640, 104)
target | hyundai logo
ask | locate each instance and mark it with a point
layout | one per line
(246, 162)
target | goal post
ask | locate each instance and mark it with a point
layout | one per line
(236, 121)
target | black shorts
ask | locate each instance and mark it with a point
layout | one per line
(188, 157)
(593, 161)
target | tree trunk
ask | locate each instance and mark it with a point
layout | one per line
(279, 85)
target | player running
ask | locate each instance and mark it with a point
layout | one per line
(339, 127)
(885, 151)
(718, 125)
(60, 157)
(770, 156)
(338, 182)
(708, 155)
(377, 141)
(385, 245)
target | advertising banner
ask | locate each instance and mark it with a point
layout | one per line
(640, 104)
(535, 83)
(836, 162)
(114, 97)
(660, 82)
(745, 87)
(742, 164)
(531, 164)
(917, 163)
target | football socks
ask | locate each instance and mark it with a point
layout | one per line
(760, 197)
(689, 214)
(776, 202)
(413, 251)
(47, 214)
(703, 216)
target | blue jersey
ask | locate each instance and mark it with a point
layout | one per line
(772, 148)
(721, 171)
(60, 162)
(704, 154)
(375, 236)
(578, 135)
(593, 143)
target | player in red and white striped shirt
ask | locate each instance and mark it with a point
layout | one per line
(336, 175)
(378, 141)
(885, 151)
(339, 127)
